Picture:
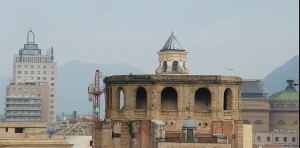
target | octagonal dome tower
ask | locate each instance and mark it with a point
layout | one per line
(172, 58)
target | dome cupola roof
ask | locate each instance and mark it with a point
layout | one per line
(172, 44)
(189, 123)
(289, 94)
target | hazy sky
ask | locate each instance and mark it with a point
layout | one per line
(251, 36)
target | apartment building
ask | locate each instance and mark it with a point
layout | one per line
(27, 102)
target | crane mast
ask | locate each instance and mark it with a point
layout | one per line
(96, 101)
(94, 96)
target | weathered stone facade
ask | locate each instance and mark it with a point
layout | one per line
(171, 96)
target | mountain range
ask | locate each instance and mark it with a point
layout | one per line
(276, 80)
(75, 76)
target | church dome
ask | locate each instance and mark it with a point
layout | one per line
(189, 123)
(289, 94)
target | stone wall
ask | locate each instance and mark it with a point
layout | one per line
(180, 94)
(192, 145)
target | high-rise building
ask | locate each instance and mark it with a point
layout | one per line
(34, 72)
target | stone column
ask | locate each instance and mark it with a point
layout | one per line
(217, 112)
(115, 100)
(128, 101)
(235, 104)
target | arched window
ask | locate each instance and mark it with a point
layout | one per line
(169, 99)
(227, 100)
(246, 122)
(202, 99)
(281, 122)
(165, 65)
(141, 98)
(175, 66)
(258, 122)
(121, 99)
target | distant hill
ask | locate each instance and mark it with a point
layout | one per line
(73, 80)
(276, 80)
(75, 76)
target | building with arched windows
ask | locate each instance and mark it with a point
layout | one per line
(274, 119)
(136, 104)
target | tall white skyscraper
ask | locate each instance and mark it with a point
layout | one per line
(31, 67)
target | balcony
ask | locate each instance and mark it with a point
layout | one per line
(23, 97)
(23, 119)
(23, 108)
(30, 103)
(23, 114)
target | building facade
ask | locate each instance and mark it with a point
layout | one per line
(28, 134)
(255, 105)
(32, 67)
(27, 102)
(136, 104)
(284, 113)
(275, 119)
(277, 138)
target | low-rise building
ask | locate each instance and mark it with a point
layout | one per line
(28, 134)
(78, 134)
(279, 137)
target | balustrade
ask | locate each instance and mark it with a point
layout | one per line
(168, 112)
(141, 113)
(202, 113)
(227, 113)
(120, 112)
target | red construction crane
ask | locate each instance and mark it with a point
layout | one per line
(94, 96)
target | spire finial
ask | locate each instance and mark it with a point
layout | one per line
(28, 36)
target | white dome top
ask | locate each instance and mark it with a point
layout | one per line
(189, 123)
